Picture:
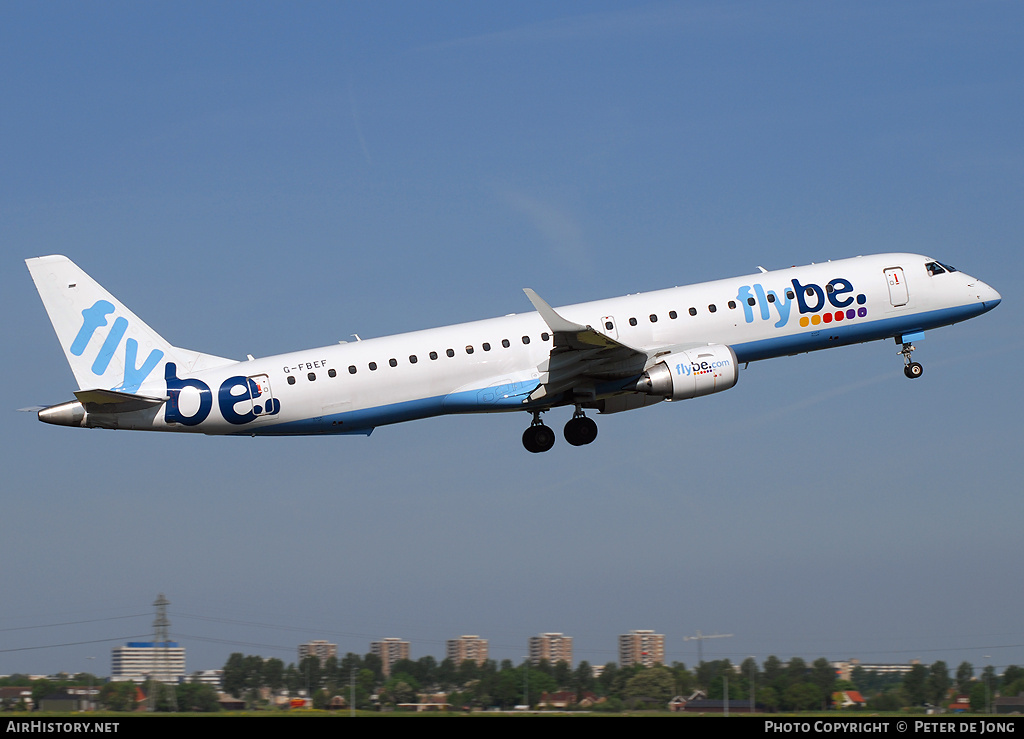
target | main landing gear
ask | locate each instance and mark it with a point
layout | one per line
(913, 370)
(538, 438)
(579, 431)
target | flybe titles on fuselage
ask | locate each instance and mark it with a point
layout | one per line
(816, 305)
(240, 399)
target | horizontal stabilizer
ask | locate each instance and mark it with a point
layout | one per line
(114, 401)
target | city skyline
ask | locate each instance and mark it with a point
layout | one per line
(134, 654)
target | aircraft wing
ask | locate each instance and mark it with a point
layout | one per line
(581, 356)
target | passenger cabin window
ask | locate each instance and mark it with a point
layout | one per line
(506, 343)
(732, 303)
(469, 350)
(673, 315)
(332, 373)
(545, 336)
(433, 355)
(311, 376)
(413, 359)
(485, 346)
(450, 352)
(712, 308)
(654, 318)
(693, 311)
(632, 321)
(373, 366)
(771, 297)
(526, 339)
(393, 362)
(609, 325)
(351, 369)
(291, 379)
(751, 301)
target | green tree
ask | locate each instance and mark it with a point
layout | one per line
(652, 687)
(685, 680)
(119, 696)
(937, 684)
(583, 678)
(914, 685)
(234, 677)
(447, 673)
(768, 698)
(312, 674)
(469, 671)
(889, 700)
(796, 671)
(562, 673)
(964, 676)
(1013, 681)
(400, 688)
(802, 696)
(823, 676)
(979, 697)
(42, 688)
(608, 678)
(273, 674)
(372, 662)
(197, 697)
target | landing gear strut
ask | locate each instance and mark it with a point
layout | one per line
(580, 430)
(913, 370)
(538, 438)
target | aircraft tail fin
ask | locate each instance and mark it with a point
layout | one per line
(107, 345)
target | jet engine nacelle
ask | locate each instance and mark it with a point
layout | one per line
(691, 373)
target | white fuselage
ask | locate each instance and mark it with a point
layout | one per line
(496, 364)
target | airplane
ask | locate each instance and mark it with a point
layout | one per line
(607, 356)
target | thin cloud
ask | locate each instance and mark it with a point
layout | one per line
(556, 226)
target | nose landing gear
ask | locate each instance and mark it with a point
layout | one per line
(913, 370)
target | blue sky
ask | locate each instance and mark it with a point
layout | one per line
(266, 177)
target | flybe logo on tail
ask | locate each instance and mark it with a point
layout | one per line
(816, 305)
(95, 317)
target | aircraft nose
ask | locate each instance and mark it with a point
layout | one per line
(988, 295)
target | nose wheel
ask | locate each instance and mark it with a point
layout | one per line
(538, 438)
(580, 430)
(911, 369)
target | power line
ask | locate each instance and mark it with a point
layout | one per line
(72, 623)
(76, 643)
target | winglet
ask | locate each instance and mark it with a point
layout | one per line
(555, 322)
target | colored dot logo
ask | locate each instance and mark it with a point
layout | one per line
(829, 317)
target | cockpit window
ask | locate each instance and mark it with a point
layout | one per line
(938, 268)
